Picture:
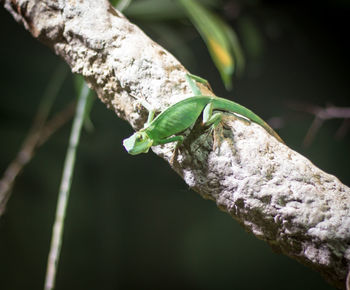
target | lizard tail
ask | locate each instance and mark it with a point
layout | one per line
(230, 106)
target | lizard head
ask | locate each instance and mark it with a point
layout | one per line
(138, 143)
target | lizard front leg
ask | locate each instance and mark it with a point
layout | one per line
(178, 139)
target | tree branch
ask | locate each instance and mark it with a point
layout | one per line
(274, 192)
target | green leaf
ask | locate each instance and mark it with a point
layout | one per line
(235, 47)
(220, 39)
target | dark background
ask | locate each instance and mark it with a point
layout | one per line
(132, 223)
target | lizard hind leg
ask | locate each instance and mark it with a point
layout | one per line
(213, 120)
(209, 118)
(217, 135)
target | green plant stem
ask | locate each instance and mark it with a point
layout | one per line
(58, 228)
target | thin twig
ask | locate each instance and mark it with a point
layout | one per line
(343, 129)
(30, 143)
(311, 133)
(56, 122)
(321, 115)
(56, 239)
(25, 155)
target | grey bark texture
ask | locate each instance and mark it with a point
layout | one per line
(274, 192)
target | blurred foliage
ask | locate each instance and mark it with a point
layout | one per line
(219, 37)
(120, 4)
(132, 223)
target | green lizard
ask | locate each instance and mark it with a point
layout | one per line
(182, 115)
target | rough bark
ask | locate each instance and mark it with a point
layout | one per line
(274, 192)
